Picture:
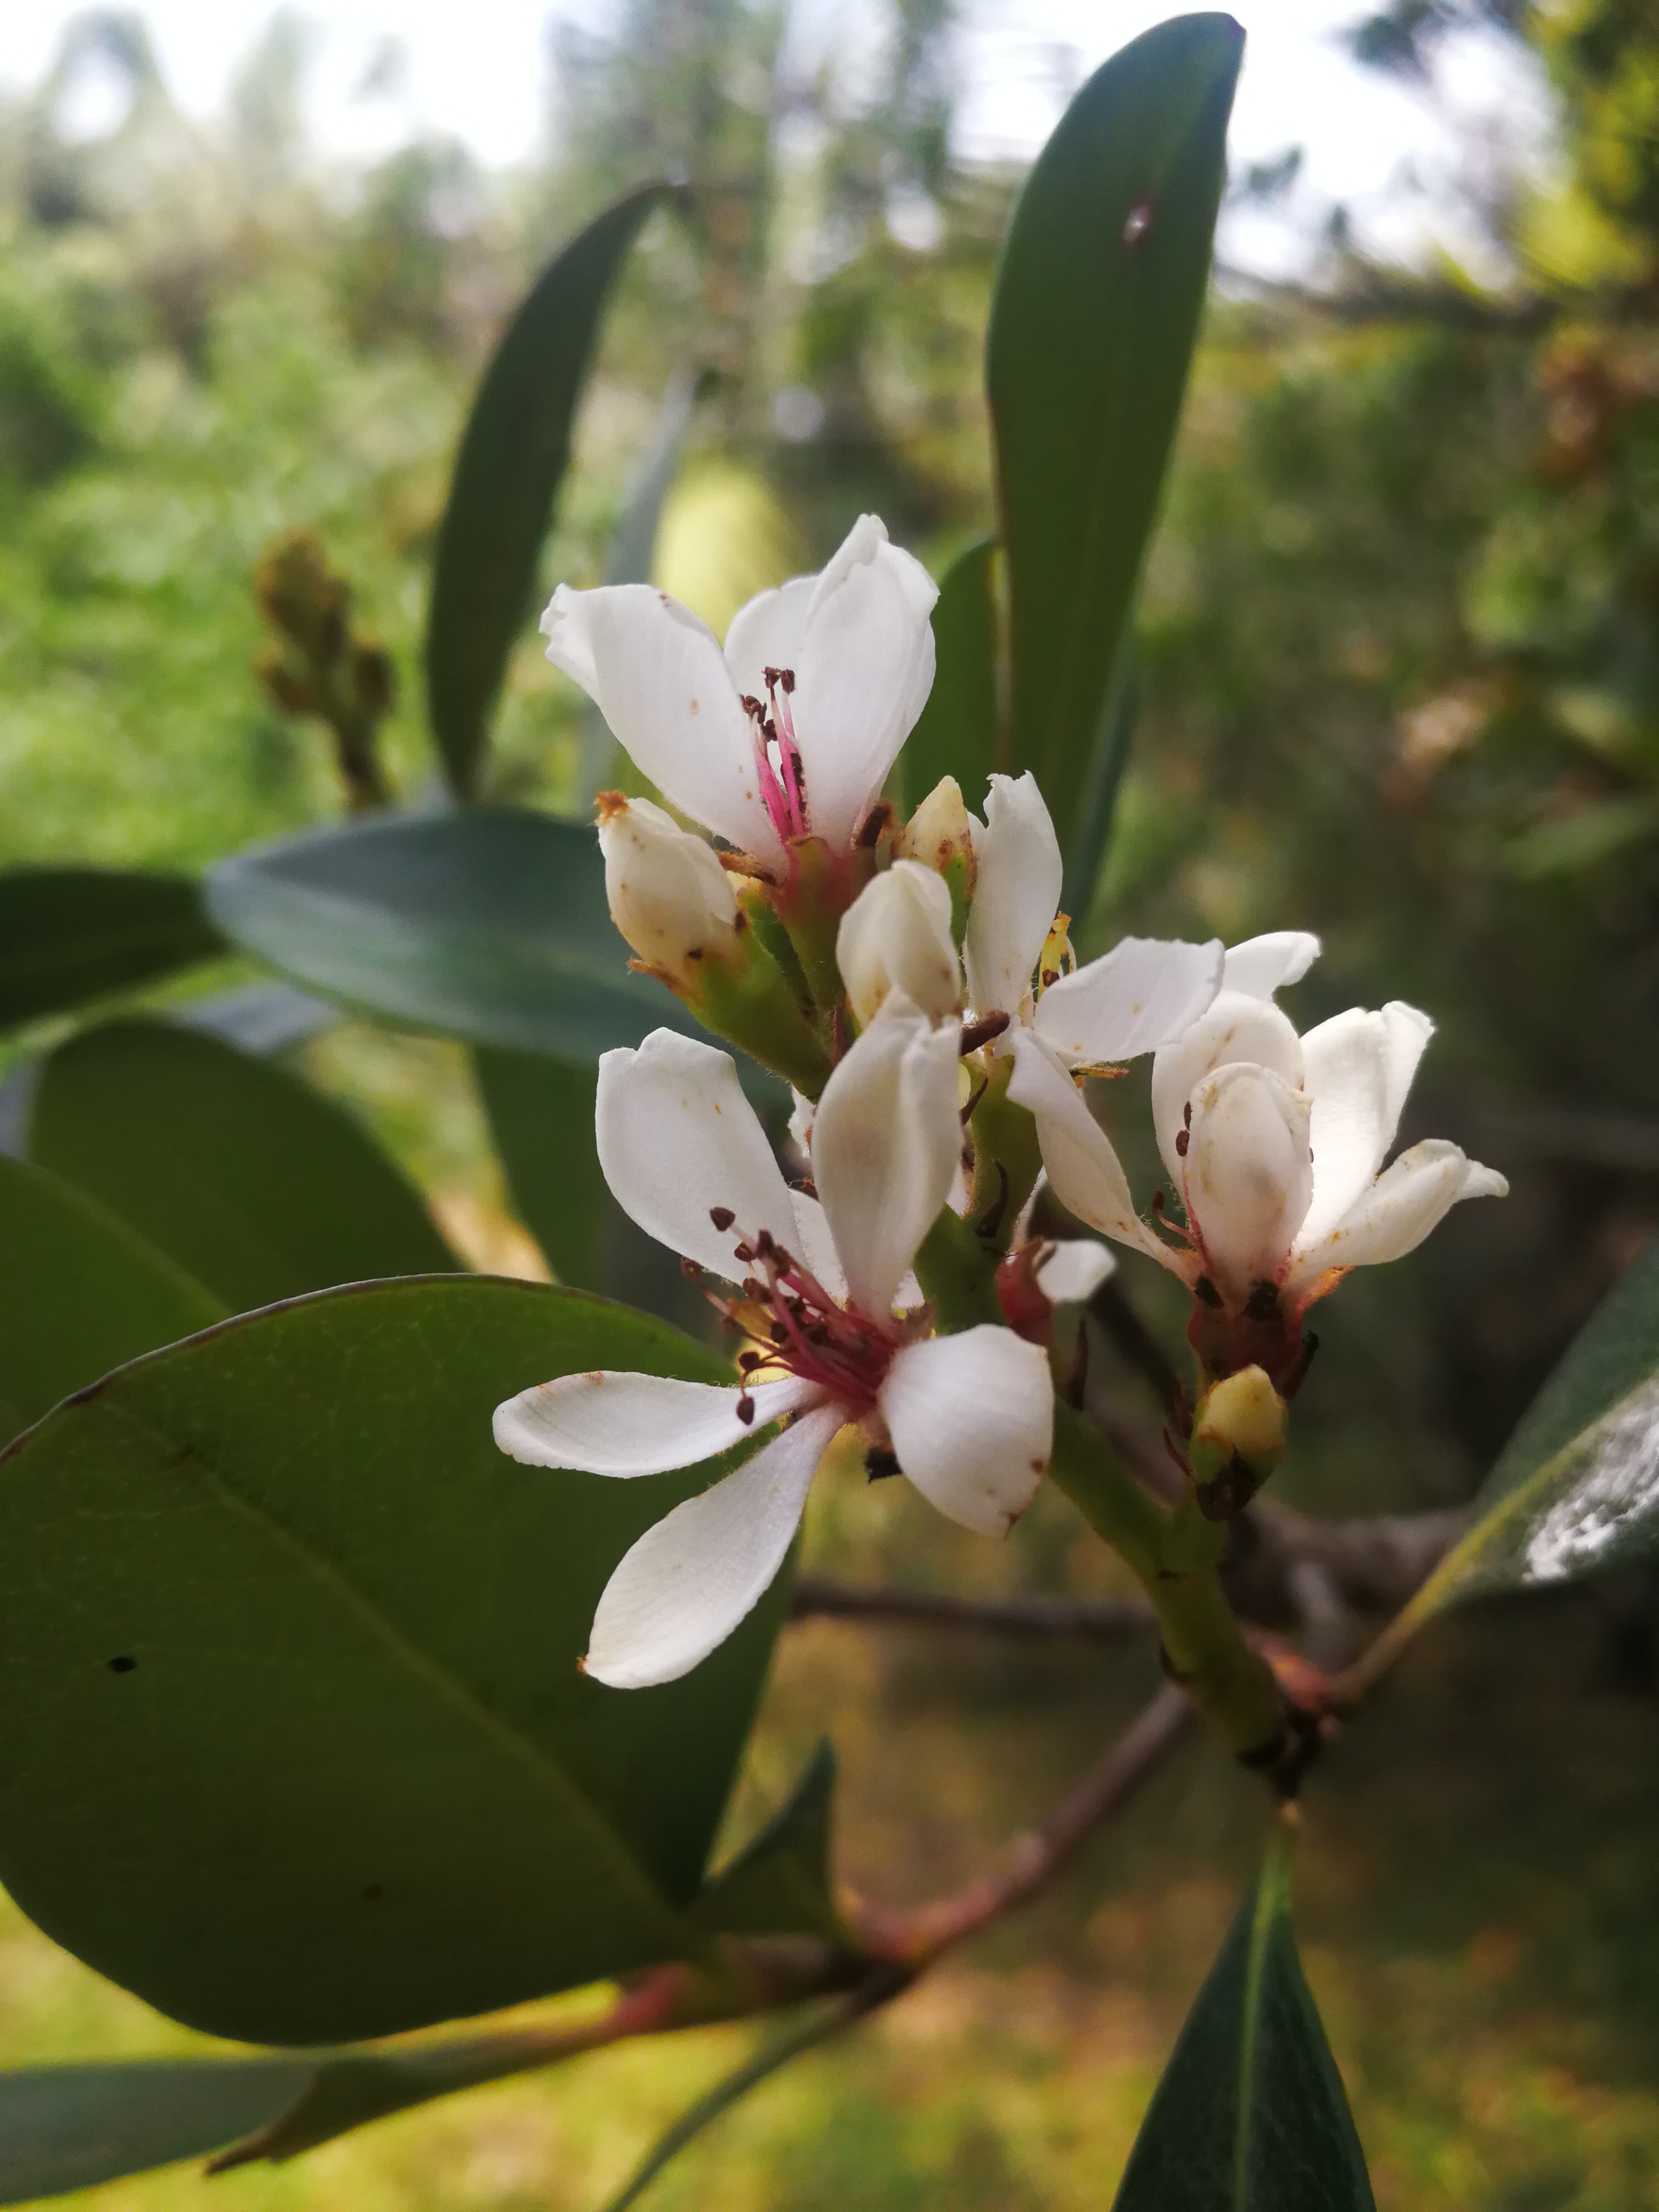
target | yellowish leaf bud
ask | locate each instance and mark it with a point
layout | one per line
(1242, 1416)
(940, 834)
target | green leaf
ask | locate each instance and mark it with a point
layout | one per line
(1250, 2115)
(1096, 308)
(1098, 802)
(541, 1120)
(294, 1742)
(71, 2127)
(490, 925)
(248, 1179)
(80, 1293)
(779, 1884)
(68, 934)
(513, 453)
(957, 733)
(1575, 1489)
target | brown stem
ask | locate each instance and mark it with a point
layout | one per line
(920, 1937)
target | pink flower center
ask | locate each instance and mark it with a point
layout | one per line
(777, 756)
(794, 1327)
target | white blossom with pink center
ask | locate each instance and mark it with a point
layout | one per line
(792, 730)
(836, 1334)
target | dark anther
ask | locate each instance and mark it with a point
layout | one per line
(879, 1463)
(747, 1361)
(778, 1333)
(1205, 1292)
(743, 1252)
(1186, 1115)
(691, 1271)
(722, 1217)
(753, 1288)
(782, 678)
(873, 823)
(787, 678)
(124, 1665)
(976, 1034)
(1263, 1304)
(746, 1409)
(765, 1244)
(1183, 1140)
(752, 706)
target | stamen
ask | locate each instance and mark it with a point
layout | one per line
(746, 1409)
(722, 1217)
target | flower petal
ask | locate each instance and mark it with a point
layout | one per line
(1016, 892)
(607, 1423)
(1075, 1270)
(1248, 1178)
(1143, 993)
(885, 1146)
(815, 1247)
(1262, 965)
(1237, 1027)
(895, 936)
(657, 674)
(1409, 1032)
(1076, 1154)
(768, 633)
(683, 1588)
(1345, 1076)
(677, 1140)
(972, 1420)
(1407, 1200)
(863, 673)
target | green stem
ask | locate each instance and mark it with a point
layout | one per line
(1204, 1647)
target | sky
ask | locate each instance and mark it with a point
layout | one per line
(478, 72)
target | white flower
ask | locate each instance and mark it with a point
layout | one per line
(1140, 996)
(790, 732)
(1275, 1141)
(895, 936)
(968, 1418)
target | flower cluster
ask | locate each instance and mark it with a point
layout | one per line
(915, 982)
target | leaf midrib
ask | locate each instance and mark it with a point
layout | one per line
(524, 1750)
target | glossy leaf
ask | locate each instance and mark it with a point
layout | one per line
(80, 1293)
(64, 2127)
(1098, 802)
(294, 1742)
(490, 925)
(957, 733)
(513, 453)
(779, 1884)
(69, 934)
(1096, 308)
(1577, 1487)
(1250, 2115)
(254, 1183)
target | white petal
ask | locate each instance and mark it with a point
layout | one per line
(768, 633)
(815, 1247)
(972, 1420)
(613, 1423)
(686, 1585)
(677, 1139)
(1403, 1205)
(1409, 1032)
(1016, 892)
(1075, 1270)
(1247, 1175)
(1237, 1027)
(1143, 993)
(668, 894)
(1076, 1154)
(1262, 965)
(865, 669)
(885, 1146)
(656, 673)
(1346, 1076)
(895, 936)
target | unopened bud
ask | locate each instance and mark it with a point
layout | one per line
(1240, 1417)
(940, 834)
(669, 895)
(895, 936)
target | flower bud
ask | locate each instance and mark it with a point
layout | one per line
(1241, 1417)
(940, 834)
(668, 893)
(895, 936)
